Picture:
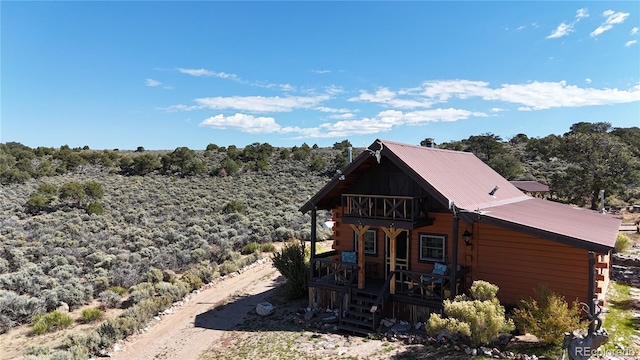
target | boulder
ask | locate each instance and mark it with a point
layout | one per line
(264, 308)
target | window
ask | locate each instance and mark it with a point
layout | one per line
(370, 242)
(432, 247)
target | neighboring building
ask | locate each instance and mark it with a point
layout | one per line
(533, 188)
(415, 225)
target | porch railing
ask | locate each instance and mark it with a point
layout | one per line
(332, 273)
(404, 208)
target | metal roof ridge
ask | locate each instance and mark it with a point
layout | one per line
(425, 148)
(493, 204)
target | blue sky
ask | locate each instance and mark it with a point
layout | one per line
(167, 74)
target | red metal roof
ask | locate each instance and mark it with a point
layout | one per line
(530, 186)
(460, 177)
(462, 180)
(579, 227)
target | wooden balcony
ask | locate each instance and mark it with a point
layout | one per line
(381, 210)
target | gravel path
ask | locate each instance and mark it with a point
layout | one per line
(191, 329)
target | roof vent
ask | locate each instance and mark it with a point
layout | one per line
(493, 192)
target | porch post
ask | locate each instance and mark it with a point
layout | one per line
(454, 250)
(314, 213)
(360, 230)
(392, 233)
(591, 296)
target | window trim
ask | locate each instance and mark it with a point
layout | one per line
(375, 242)
(422, 237)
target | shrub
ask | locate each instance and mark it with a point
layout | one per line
(623, 243)
(36, 204)
(91, 315)
(174, 291)
(290, 261)
(548, 316)
(168, 276)
(18, 309)
(141, 291)
(227, 267)
(118, 290)
(154, 275)
(250, 248)
(268, 247)
(193, 280)
(95, 208)
(110, 299)
(483, 290)
(37, 350)
(50, 322)
(234, 206)
(480, 319)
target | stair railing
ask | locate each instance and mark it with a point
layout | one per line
(348, 287)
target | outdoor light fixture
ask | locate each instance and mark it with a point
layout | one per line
(493, 192)
(466, 236)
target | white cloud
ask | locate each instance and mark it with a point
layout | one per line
(497, 109)
(630, 42)
(384, 121)
(152, 83)
(562, 30)
(246, 123)
(332, 110)
(587, 80)
(180, 107)
(565, 29)
(196, 72)
(520, 28)
(287, 87)
(388, 97)
(343, 116)
(613, 18)
(582, 13)
(205, 72)
(445, 89)
(321, 71)
(261, 103)
(634, 31)
(534, 96)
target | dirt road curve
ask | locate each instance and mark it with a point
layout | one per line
(190, 330)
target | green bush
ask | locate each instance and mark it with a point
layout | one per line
(110, 299)
(268, 247)
(193, 280)
(141, 291)
(623, 243)
(91, 315)
(227, 267)
(548, 316)
(482, 320)
(250, 248)
(174, 291)
(483, 290)
(95, 208)
(50, 322)
(118, 290)
(291, 263)
(154, 275)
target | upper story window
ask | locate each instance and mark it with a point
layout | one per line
(432, 247)
(370, 242)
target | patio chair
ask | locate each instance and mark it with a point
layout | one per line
(431, 282)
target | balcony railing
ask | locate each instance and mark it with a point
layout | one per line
(382, 207)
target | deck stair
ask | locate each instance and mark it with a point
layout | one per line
(358, 318)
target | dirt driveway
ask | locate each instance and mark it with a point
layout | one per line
(193, 328)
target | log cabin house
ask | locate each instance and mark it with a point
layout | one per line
(416, 225)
